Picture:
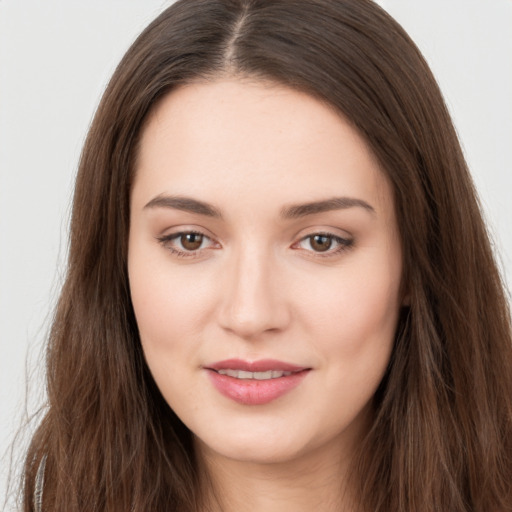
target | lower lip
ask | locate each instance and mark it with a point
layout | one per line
(255, 392)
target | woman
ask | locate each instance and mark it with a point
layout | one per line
(280, 293)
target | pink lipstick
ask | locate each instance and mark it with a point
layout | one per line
(257, 382)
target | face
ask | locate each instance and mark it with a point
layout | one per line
(264, 263)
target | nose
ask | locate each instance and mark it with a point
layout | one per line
(253, 296)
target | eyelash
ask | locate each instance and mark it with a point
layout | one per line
(166, 239)
(343, 244)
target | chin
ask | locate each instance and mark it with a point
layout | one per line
(252, 447)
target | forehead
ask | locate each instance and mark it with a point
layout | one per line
(254, 141)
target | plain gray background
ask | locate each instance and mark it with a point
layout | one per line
(55, 59)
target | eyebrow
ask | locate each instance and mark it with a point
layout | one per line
(335, 203)
(293, 211)
(186, 204)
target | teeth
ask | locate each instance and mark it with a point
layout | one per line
(263, 375)
(242, 374)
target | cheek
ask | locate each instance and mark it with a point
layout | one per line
(353, 320)
(354, 305)
(168, 306)
(167, 309)
(166, 299)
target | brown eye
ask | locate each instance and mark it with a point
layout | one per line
(320, 243)
(191, 241)
(324, 244)
(188, 244)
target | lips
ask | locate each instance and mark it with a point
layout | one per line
(262, 365)
(242, 374)
(257, 382)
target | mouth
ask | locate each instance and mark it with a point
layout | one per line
(262, 366)
(255, 383)
(245, 375)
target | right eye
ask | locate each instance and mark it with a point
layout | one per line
(190, 241)
(186, 243)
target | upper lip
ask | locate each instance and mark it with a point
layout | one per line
(263, 365)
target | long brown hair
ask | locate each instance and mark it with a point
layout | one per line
(442, 433)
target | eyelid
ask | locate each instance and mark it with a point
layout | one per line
(165, 241)
(344, 243)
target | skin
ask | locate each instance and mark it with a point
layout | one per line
(259, 288)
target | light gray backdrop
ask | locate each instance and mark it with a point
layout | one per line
(55, 59)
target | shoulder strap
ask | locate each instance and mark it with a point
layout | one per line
(38, 488)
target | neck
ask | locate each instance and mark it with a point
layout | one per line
(316, 481)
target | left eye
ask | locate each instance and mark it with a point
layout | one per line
(322, 242)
